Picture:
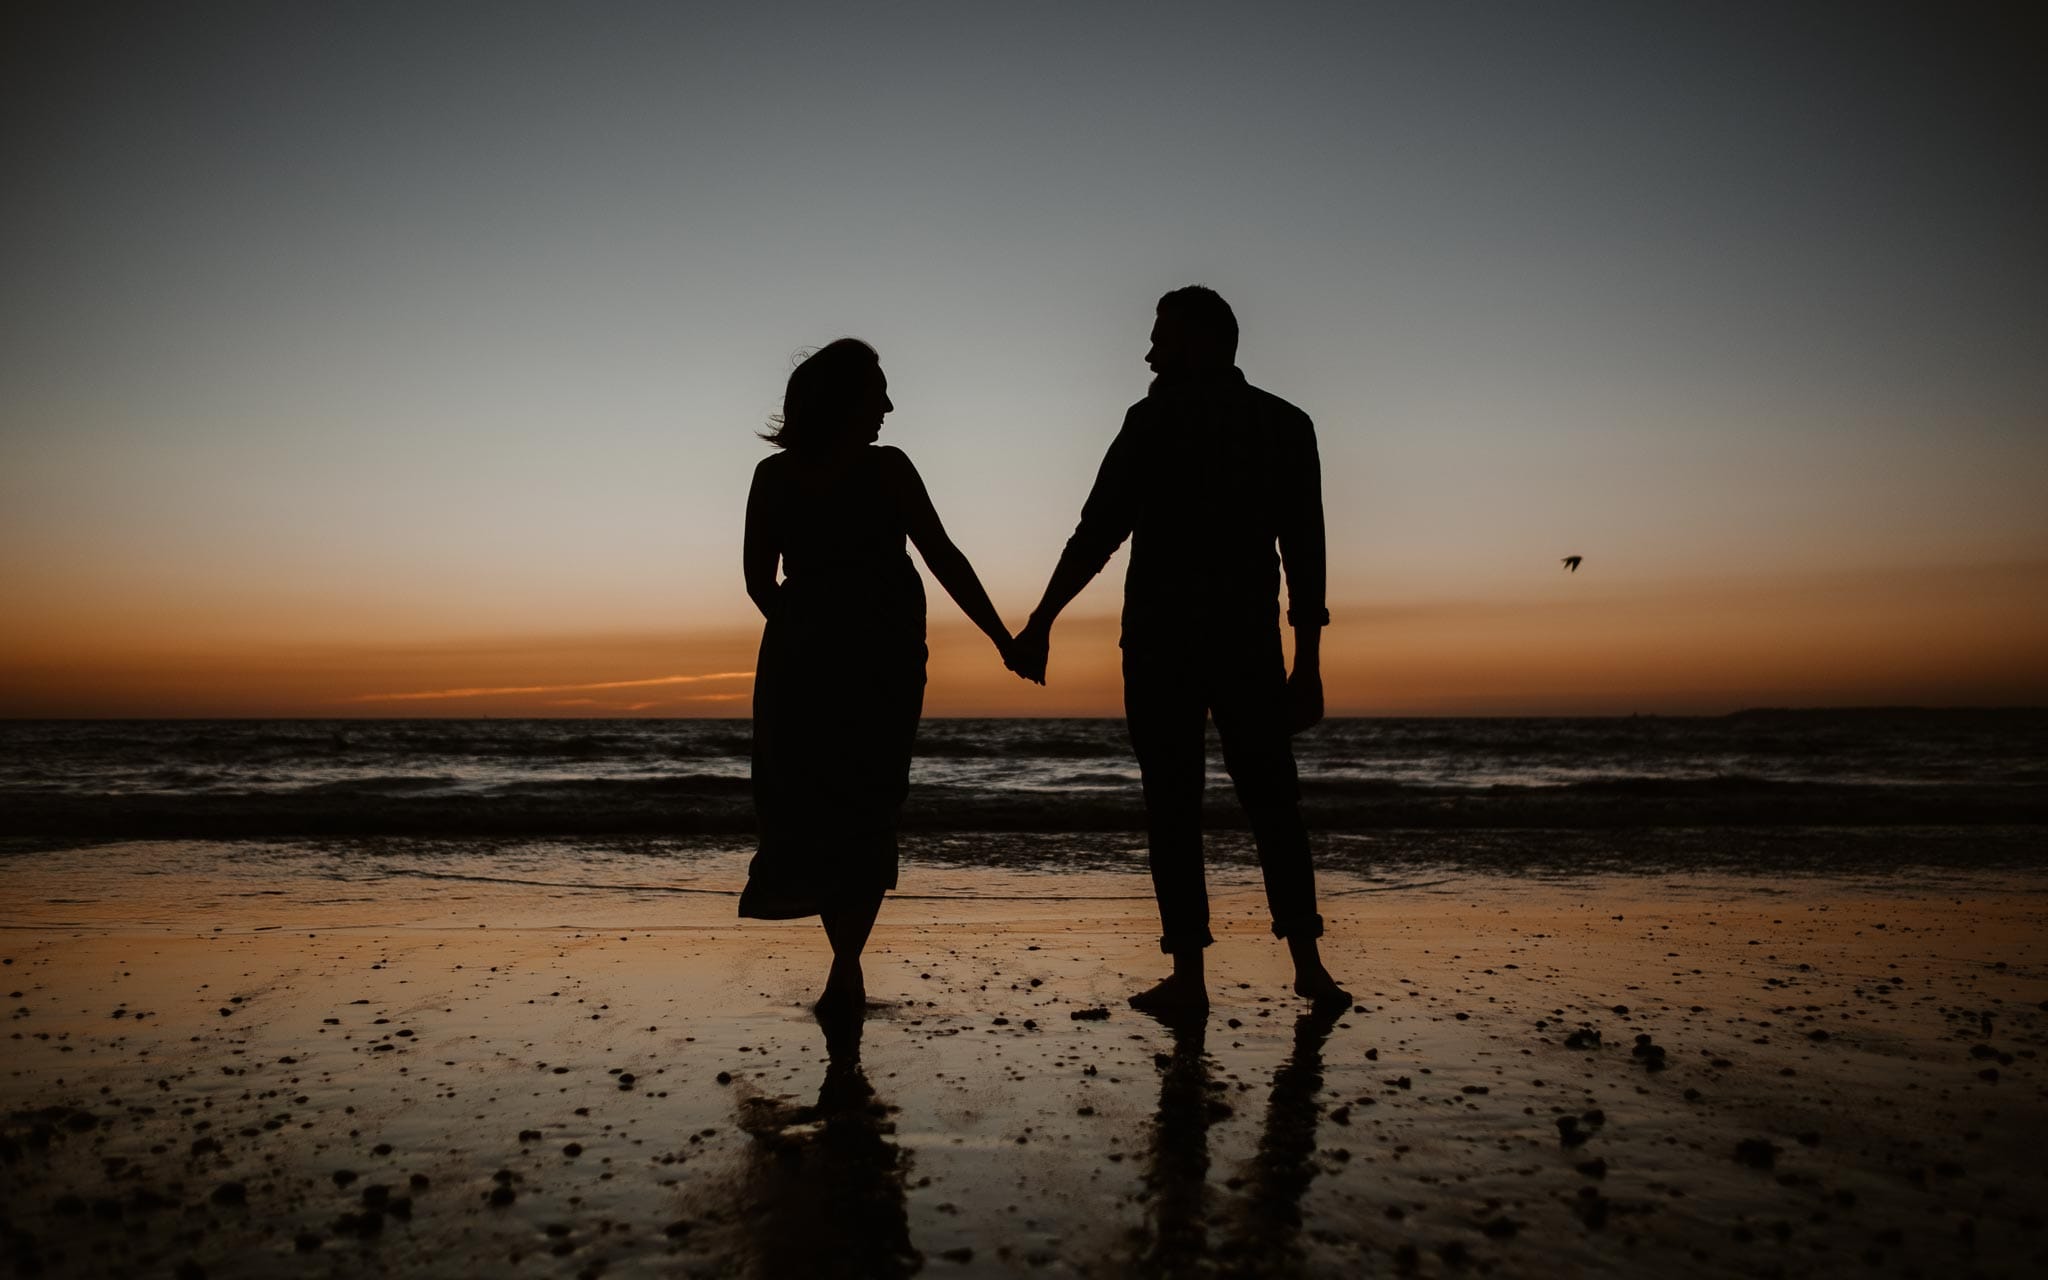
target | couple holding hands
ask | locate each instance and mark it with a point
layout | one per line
(1217, 485)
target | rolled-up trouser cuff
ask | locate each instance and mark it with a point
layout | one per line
(1301, 927)
(1193, 942)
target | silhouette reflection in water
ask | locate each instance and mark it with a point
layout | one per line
(822, 1191)
(1260, 1227)
(1265, 1239)
(1174, 1238)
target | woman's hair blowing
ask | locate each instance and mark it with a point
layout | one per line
(823, 390)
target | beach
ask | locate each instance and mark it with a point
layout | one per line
(219, 1066)
(483, 487)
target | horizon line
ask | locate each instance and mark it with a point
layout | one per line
(1864, 708)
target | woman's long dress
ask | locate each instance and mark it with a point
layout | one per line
(838, 688)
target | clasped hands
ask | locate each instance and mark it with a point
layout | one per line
(1027, 653)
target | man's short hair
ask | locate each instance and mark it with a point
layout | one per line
(1204, 311)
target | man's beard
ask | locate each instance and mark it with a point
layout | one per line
(1172, 378)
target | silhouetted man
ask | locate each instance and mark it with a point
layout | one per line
(1208, 476)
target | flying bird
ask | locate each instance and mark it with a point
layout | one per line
(1571, 563)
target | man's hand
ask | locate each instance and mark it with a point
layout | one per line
(1028, 653)
(1304, 697)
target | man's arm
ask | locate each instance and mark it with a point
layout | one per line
(1305, 558)
(1106, 520)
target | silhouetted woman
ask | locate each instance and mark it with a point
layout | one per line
(840, 681)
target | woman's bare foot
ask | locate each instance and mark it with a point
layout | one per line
(1180, 996)
(845, 996)
(834, 1009)
(846, 989)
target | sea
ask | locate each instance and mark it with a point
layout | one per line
(1755, 790)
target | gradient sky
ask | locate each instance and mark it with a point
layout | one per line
(356, 350)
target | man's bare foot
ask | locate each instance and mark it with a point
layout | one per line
(1319, 988)
(1179, 996)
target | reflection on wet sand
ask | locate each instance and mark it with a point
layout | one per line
(1260, 1227)
(821, 1190)
(1852, 1082)
(1174, 1237)
(1266, 1227)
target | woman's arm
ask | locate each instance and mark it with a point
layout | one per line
(945, 560)
(763, 550)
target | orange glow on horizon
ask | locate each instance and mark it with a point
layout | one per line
(510, 690)
(1967, 636)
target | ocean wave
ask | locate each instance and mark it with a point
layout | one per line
(349, 787)
(685, 804)
(1011, 747)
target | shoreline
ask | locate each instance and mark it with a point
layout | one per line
(709, 806)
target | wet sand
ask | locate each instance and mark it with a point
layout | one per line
(1600, 1075)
